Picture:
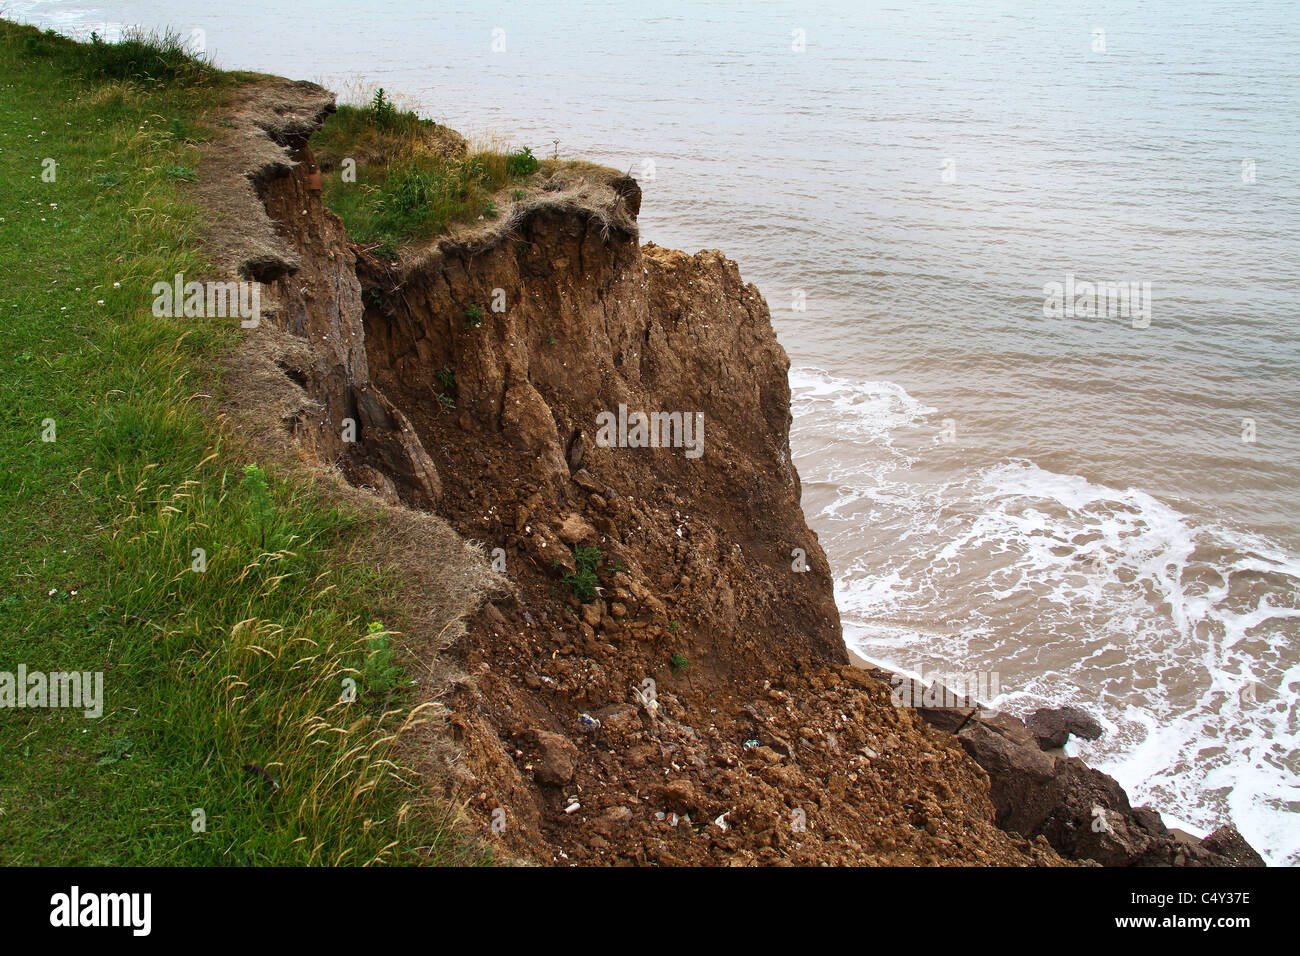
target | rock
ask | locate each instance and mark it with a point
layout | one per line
(1150, 821)
(778, 744)
(680, 797)
(619, 719)
(558, 757)
(1109, 838)
(1052, 726)
(1018, 777)
(948, 719)
(1083, 813)
(1012, 728)
(525, 511)
(1227, 843)
(583, 479)
(574, 529)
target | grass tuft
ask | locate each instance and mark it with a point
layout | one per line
(394, 177)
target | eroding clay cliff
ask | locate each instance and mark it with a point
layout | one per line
(590, 322)
(269, 225)
(662, 679)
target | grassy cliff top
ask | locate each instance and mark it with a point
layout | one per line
(223, 597)
(396, 179)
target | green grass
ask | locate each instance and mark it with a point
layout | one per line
(140, 55)
(412, 180)
(226, 604)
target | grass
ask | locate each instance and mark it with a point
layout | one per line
(140, 55)
(393, 177)
(226, 604)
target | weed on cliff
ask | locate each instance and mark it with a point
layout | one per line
(146, 55)
(380, 673)
(382, 112)
(413, 200)
(584, 581)
(521, 163)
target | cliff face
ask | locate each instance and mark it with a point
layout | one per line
(593, 324)
(663, 678)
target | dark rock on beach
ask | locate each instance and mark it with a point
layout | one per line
(1232, 846)
(1052, 726)
(1083, 813)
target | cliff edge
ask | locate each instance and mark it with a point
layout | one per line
(660, 675)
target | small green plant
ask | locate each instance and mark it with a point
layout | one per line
(489, 210)
(672, 626)
(108, 180)
(43, 45)
(548, 339)
(373, 298)
(679, 663)
(446, 376)
(182, 174)
(521, 163)
(517, 194)
(447, 403)
(473, 316)
(583, 581)
(383, 114)
(380, 674)
(408, 191)
(118, 750)
(183, 132)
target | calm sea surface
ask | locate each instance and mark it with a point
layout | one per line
(1071, 501)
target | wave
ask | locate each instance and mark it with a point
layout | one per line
(1179, 631)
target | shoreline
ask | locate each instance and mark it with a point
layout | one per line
(1178, 835)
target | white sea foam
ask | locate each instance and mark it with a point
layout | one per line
(1075, 592)
(866, 410)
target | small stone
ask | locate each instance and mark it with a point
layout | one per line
(559, 758)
